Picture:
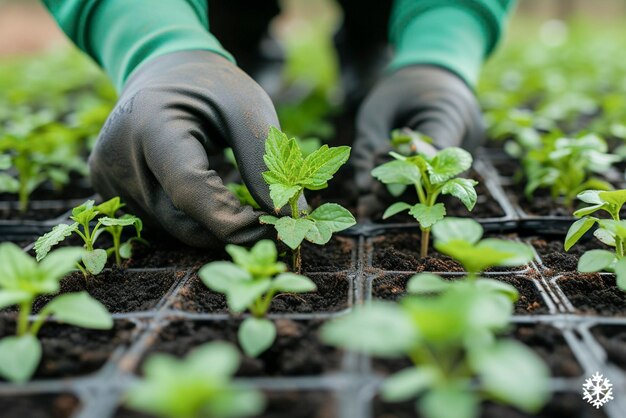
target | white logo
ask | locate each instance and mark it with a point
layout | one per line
(597, 390)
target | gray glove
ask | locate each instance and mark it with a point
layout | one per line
(153, 150)
(425, 98)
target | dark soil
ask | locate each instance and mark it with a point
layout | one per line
(334, 256)
(556, 259)
(169, 252)
(562, 405)
(594, 294)
(38, 406)
(119, 290)
(613, 340)
(486, 205)
(71, 351)
(297, 350)
(292, 404)
(400, 252)
(331, 296)
(13, 214)
(506, 167)
(529, 302)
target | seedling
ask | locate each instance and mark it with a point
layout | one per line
(288, 175)
(611, 232)
(249, 283)
(431, 177)
(449, 338)
(93, 259)
(197, 386)
(565, 166)
(22, 279)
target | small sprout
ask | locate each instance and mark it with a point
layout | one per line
(566, 166)
(450, 339)
(288, 175)
(611, 232)
(431, 177)
(197, 386)
(22, 279)
(249, 283)
(94, 259)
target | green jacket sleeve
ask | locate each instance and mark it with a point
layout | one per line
(455, 34)
(123, 34)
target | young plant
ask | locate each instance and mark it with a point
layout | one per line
(566, 165)
(431, 177)
(197, 386)
(22, 279)
(249, 283)
(611, 232)
(450, 338)
(93, 259)
(289, 173)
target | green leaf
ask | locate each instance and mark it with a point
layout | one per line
(241, 294)
(293, 283)
(398, 172)
(124, 221)
(426, 283)
(591, 196)
(110, 207)
(589, 210)
(13, 297)
(281, 193)
(81, 310)
(268, 219)
(320, 166)
(95, 260)
(408, 383)
(491, 285)
(44, 244)
(620, 273)
(428, 216)
(380, 329)
(449, 402)
(605, 236)
(449, 163)
(614, 197)
(215, 360)
(241, 402)
(18, 269)
(475, 259)
(8, 183)
(256, 335)
(126, 250)
(396, 189)
(521, 254)
(282, 158)
(458, 229)
(577, 230)
(292, 231)
(395, 209)
(5, 161)
(19, 357)
(219, 275)
(595, 260)
(462, 189)
(329, 218)
(84, 213)
(523, 382)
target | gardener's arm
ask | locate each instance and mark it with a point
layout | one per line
(182, 98)
(439, 47)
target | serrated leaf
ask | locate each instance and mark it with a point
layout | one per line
(294, 283)
(397, 172)
(95, 260)
(268, 219)
(320, 166)
(282, 157)
(52, 238)
(256, 335)
(292, 231)
(110, 207)
(395, 209)
(19, 357)
(614, 197)
(428, 216)
(462, 189)
(577, 230)
(81, 310)
(281, 193)
(448, 163)
(595, 260)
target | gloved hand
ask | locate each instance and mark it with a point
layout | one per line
(153, 150)
(428, 99)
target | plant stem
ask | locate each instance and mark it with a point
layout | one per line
(424, 242)
(22, 320)
(296, 259)
(117, 235)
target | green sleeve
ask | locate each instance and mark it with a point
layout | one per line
(455, 34)
(123, 34)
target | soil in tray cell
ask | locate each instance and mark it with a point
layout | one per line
(118, 289)
(613, 339)
(486, 205)
(331, 296)
(400, 251)
(13, 214)
(544, 340)
(70, 351)
(393, 287)
(38, 406)
(593, 294)
(334, 256)
(291, 404)
(556, 259)
(297, 350)
(562, 405)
